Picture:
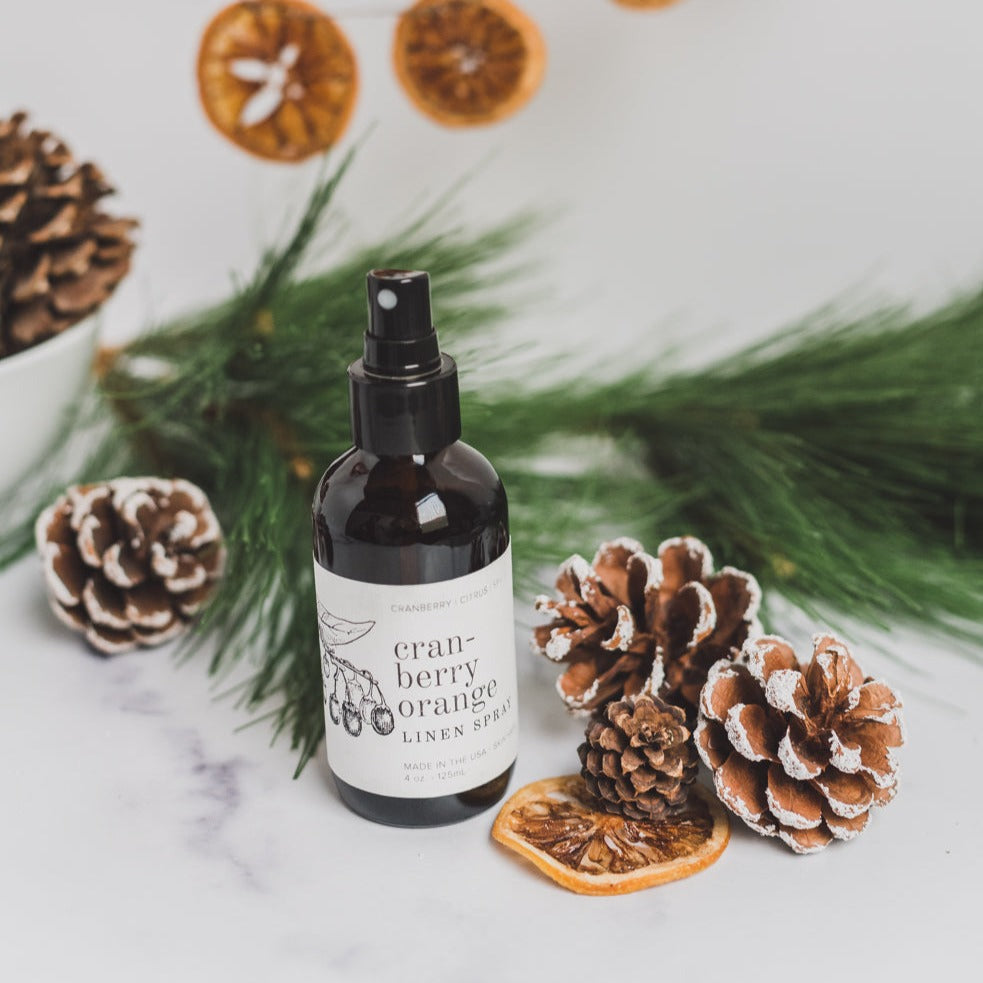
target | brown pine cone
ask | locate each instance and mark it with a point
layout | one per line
(638, 759)
(632, 623)
(61, 256)
(801, 754)
(131, 561)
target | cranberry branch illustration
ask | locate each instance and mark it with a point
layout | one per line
(356, 695)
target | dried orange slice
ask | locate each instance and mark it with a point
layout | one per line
(466, 62)
(277, 77)
(554, 823)
(649, 4)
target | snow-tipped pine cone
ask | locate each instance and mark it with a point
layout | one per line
(800, 753)
(130, 562)
(637, 758)
(630, 623)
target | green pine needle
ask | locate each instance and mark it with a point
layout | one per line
(840, 463)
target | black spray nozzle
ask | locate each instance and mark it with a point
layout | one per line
(404, 397)
(400, 342)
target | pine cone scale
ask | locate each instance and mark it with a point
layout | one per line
(122, 566)
(876, 701)
(96, 532)
(623, 633)
(805, 840)
(60, 224)
(148, 605)
(794, 804)
(848, 795)
(873, 743)
(753, 731)
(190, 574)
(799, 755)
(683, 560)
(105, 604)
(12, 207)
(787, 692)
(732, 592)
(727, 686)
(72, 260)
(844, 829)
(33, 282)
(611, 566)
(742, 786)
(711, 741)
(67, 574)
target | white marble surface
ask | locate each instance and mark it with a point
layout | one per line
(143, 838)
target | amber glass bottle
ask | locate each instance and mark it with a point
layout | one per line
(413, 570)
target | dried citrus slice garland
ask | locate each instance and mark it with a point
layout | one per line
(554, 823)
(277, 77)
(467, 62)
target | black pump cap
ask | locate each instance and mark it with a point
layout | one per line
(400, 341)
(404, 393)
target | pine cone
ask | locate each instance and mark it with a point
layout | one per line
(60, 255)
(630, 623)
(801, 754)
(131, 561)
(637, 759)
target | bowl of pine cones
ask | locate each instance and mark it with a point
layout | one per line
(61, 257)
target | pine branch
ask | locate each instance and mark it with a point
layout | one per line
(841, 463)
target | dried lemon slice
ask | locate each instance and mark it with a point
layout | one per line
(466, 62)
(554, 823)
(277, 77)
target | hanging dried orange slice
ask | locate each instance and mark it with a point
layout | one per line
(277, 77)
(554, 823)
(648, 4)
(467, 62)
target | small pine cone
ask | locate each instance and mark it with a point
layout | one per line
(801, 754)
(630, 623)
(638, 759)
(61, 256)
(131, 561)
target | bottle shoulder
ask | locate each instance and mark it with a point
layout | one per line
(458, 469)
(450, 497)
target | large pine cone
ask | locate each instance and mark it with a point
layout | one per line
(801, 754)
(632, 623)
(131, 561)
(60, 255)
(638, 759)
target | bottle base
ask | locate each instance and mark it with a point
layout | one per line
(415, 813)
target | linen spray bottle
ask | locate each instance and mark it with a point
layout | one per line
(413, 572)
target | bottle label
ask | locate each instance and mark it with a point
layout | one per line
(419, 681)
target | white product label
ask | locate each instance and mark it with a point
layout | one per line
(419, 681)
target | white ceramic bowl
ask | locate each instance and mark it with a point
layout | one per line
(37, 388)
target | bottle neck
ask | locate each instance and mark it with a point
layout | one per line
(405, 417)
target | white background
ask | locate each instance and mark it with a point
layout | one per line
(725, 164)
(724, 167)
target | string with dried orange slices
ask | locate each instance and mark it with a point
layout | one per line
(277, 77)
(556, 825)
